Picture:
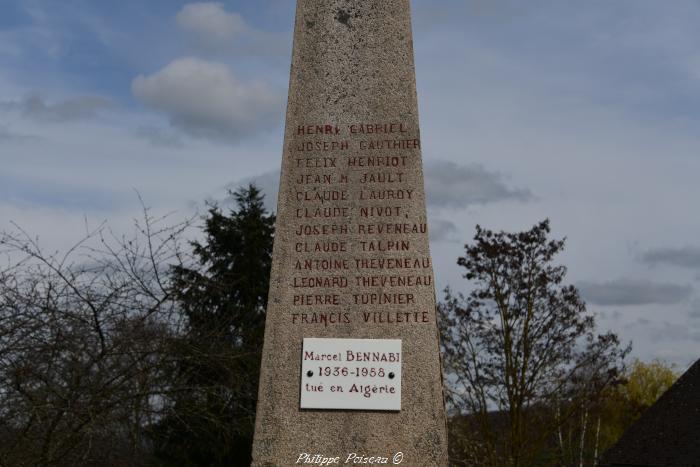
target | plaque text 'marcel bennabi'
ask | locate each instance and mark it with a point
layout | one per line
(351, 361)
(351, 374)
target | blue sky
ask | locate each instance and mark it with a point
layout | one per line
(583, 112)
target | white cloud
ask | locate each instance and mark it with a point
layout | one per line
(206, 100)
(210, 23)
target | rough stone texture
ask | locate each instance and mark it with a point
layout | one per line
(352, 64)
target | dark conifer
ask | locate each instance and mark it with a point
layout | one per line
(224, 299)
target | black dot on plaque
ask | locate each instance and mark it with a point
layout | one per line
(309, 374)
(391, 375)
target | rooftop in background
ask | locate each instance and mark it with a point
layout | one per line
(668, 433)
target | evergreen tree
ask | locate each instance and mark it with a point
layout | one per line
(213, 405)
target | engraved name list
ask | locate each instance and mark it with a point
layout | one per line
(353, 229)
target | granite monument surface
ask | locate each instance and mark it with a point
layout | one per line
(351, 370)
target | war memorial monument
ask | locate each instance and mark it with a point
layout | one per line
(351, 368)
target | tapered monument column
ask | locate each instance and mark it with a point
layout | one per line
(351, 362)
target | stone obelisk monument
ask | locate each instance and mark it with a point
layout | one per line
(351, 369)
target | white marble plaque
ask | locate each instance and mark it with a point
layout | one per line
(351, 374)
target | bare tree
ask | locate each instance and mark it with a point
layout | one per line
(520, 351)
(84, 340)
